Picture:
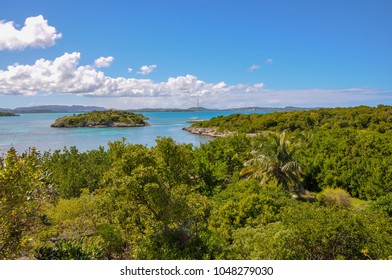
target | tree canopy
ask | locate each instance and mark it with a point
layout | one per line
(107, 118)
(362, 117)
(324, 193)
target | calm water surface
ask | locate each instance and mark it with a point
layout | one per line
(33, 130)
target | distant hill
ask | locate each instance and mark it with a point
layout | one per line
(272, 109)
(82, 109)
(58, 109)
(193, 109)
(199, 109)
(5, 110)
(160, 110)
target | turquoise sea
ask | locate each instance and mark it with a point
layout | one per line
(33, 130)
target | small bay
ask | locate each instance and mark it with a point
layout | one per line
(33, 130)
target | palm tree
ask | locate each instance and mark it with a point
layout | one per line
(273, 158)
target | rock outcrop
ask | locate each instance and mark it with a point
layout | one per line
(207, 131)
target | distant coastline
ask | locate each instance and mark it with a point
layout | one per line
(83, 109)
(53, 109)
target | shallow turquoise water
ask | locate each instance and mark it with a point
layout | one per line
(33, 130)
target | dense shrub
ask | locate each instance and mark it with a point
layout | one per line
(384, 203)
(308, 231)
(334, 197)
(227, 199)
(362, 117)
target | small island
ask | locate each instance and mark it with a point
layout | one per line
(109, 118)
(8, 114)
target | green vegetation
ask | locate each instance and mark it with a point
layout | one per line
(334, 197)
(109, 118)
(8, 114)
(374, 119)
(290, 194)
(274, 158)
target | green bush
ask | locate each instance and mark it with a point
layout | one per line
(311, 232)
(68, 250)
(334, 197)
(383, 203)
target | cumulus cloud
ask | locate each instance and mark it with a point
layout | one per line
(64, 75)
(35, 33)
(130, 70)
(253, 67)
(104, 61)
(238, 97)
(147, 69)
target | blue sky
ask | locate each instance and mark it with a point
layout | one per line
(224, 53)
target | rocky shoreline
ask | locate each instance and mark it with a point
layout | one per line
(207, 131)
(212, 132)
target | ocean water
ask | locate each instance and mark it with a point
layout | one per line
(33, 130)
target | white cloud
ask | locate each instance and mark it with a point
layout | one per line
(35, 33)
(238, 97)
(130, 70)
(269, 61)
(103, 61)
(253, 67)
(147, 69)
(65, 75)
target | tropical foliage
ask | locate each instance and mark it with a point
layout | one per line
(375, 119)
(319, 194)
(273, 157)
(102, 119)
(24, 191)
